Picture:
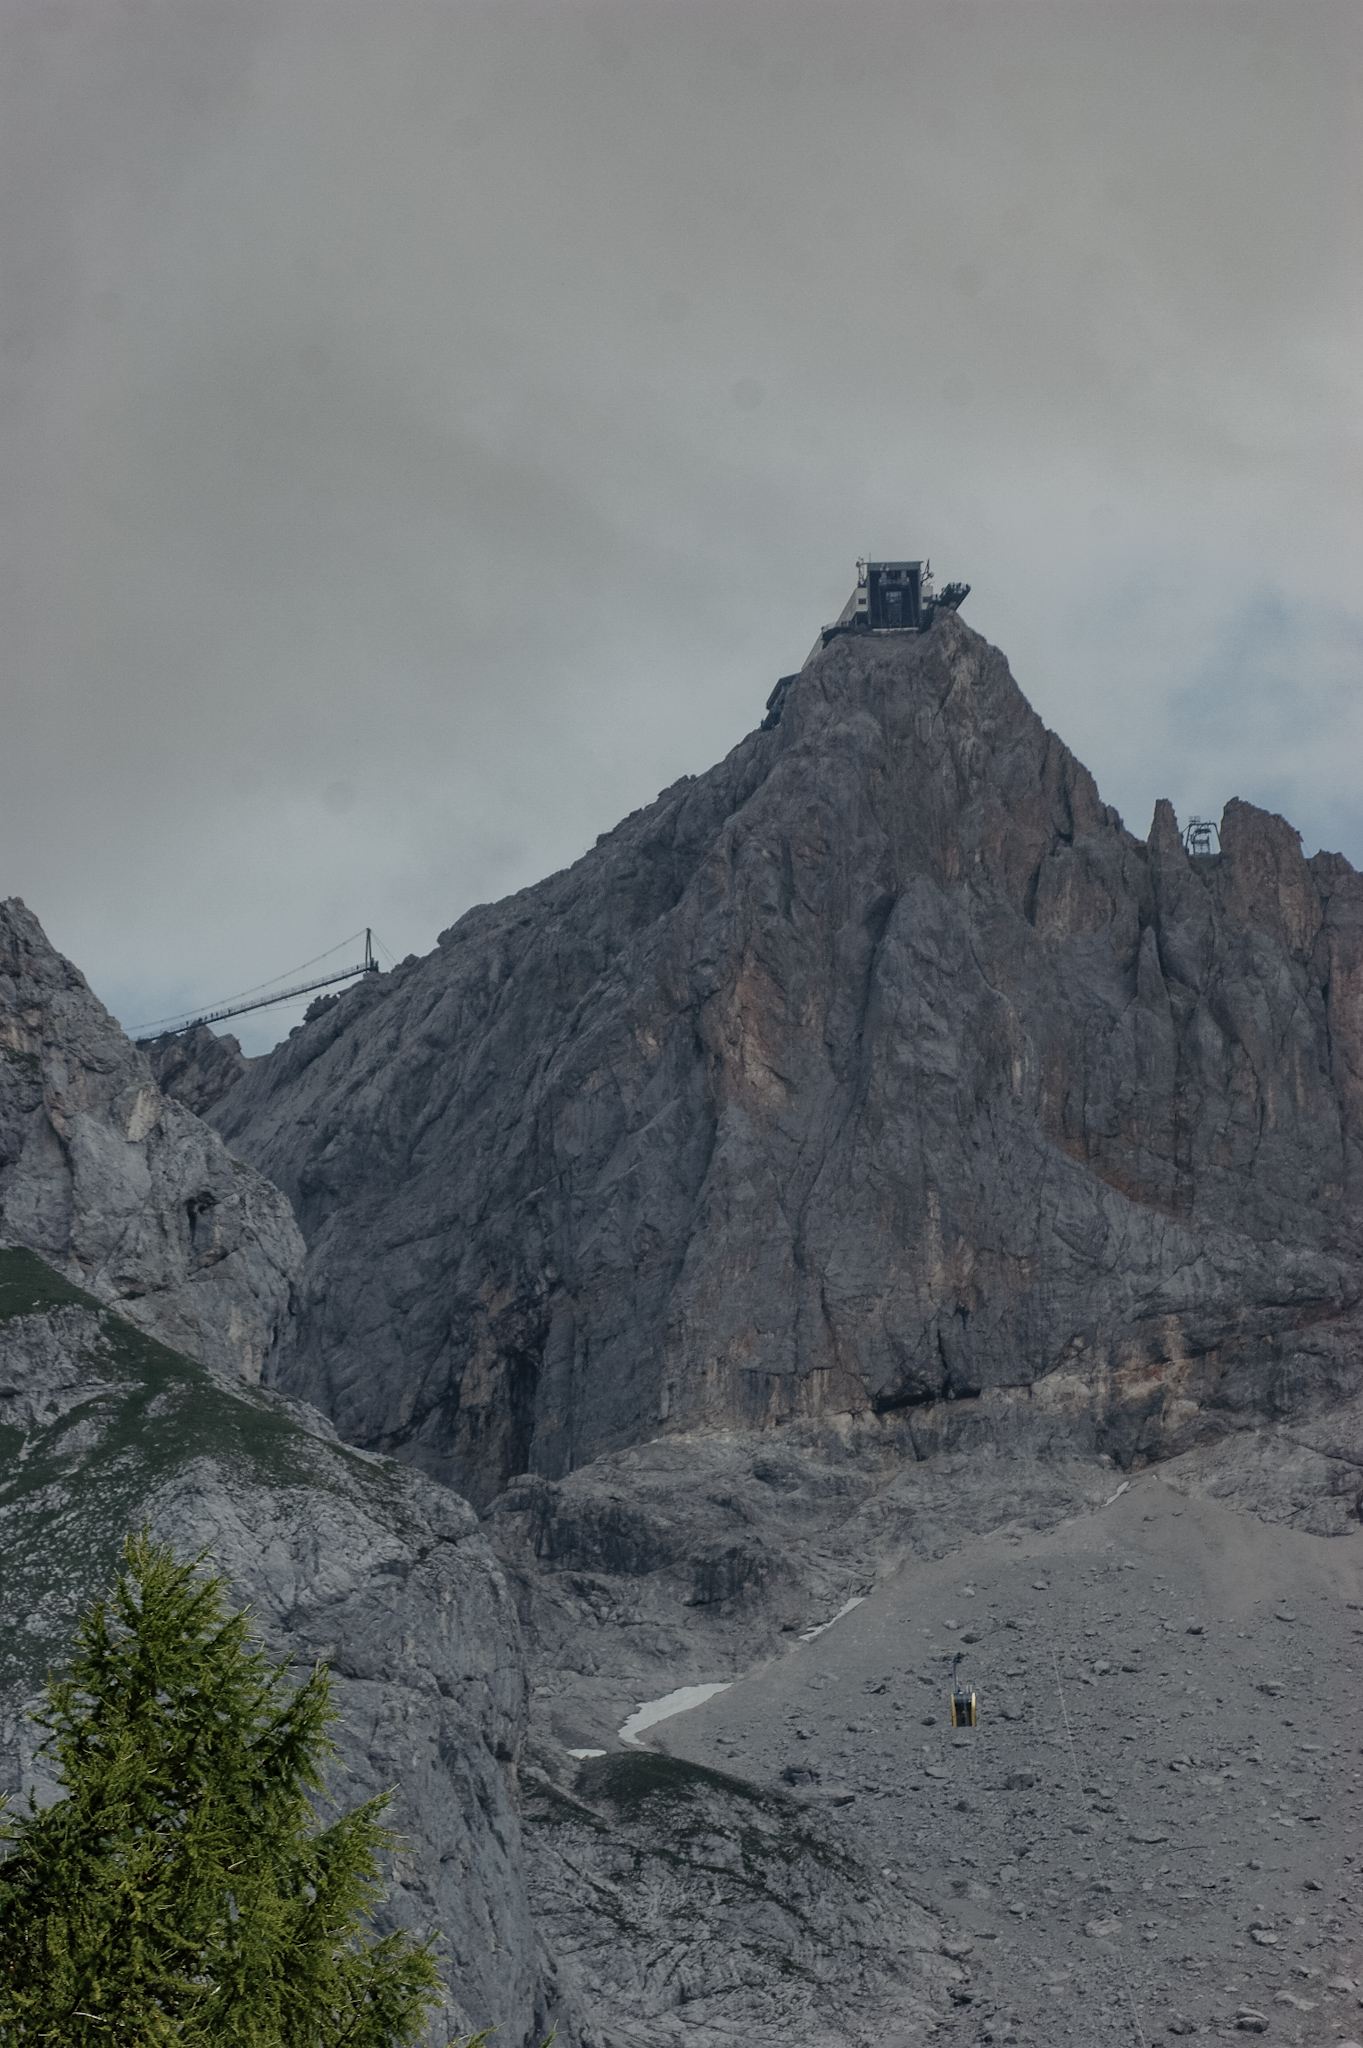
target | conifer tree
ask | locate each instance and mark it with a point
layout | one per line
(183, 1890)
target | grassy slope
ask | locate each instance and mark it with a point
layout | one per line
(135, 1412)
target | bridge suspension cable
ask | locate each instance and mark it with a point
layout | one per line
(252, 999)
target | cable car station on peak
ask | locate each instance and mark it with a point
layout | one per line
(890, 597)
(895, 597)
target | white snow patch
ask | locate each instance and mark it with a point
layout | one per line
(586, 1752)
(1118, 1494)
(671, 1703)
(846, 1608)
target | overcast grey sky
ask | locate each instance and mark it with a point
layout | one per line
(427, 430)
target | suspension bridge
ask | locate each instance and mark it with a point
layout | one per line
(265, 994)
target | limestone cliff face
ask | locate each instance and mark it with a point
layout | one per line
(877, 1067)
(196, 1067)
(118, 1185)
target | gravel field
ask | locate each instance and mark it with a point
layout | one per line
(1156, 1825)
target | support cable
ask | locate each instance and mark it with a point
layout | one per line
(221, 1009)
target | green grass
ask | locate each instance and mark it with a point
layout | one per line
(635, 1782)
(548, 1807)
(28, 1286)
(630, 1778)
(137, 1414)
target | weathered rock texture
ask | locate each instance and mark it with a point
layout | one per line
(118, 1185)
(689, 1905)
(196, 1066)
(824, 1188)
(342, 1557)
(874, 1069)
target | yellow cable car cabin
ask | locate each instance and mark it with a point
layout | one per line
(963, 1704)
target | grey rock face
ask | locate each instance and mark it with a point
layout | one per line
(699, 1559)
(196, 1067)
(875, 1069)
(122, 1189)
(342, 1558)
(687, 1905)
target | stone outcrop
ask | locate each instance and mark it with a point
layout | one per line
(689, 1905)
(196, 1067)
(342, 1558)
(874, 1070)
(117, 1184)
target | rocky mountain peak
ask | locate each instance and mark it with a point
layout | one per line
(878, 1068)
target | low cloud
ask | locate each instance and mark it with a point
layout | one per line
(473, 410)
